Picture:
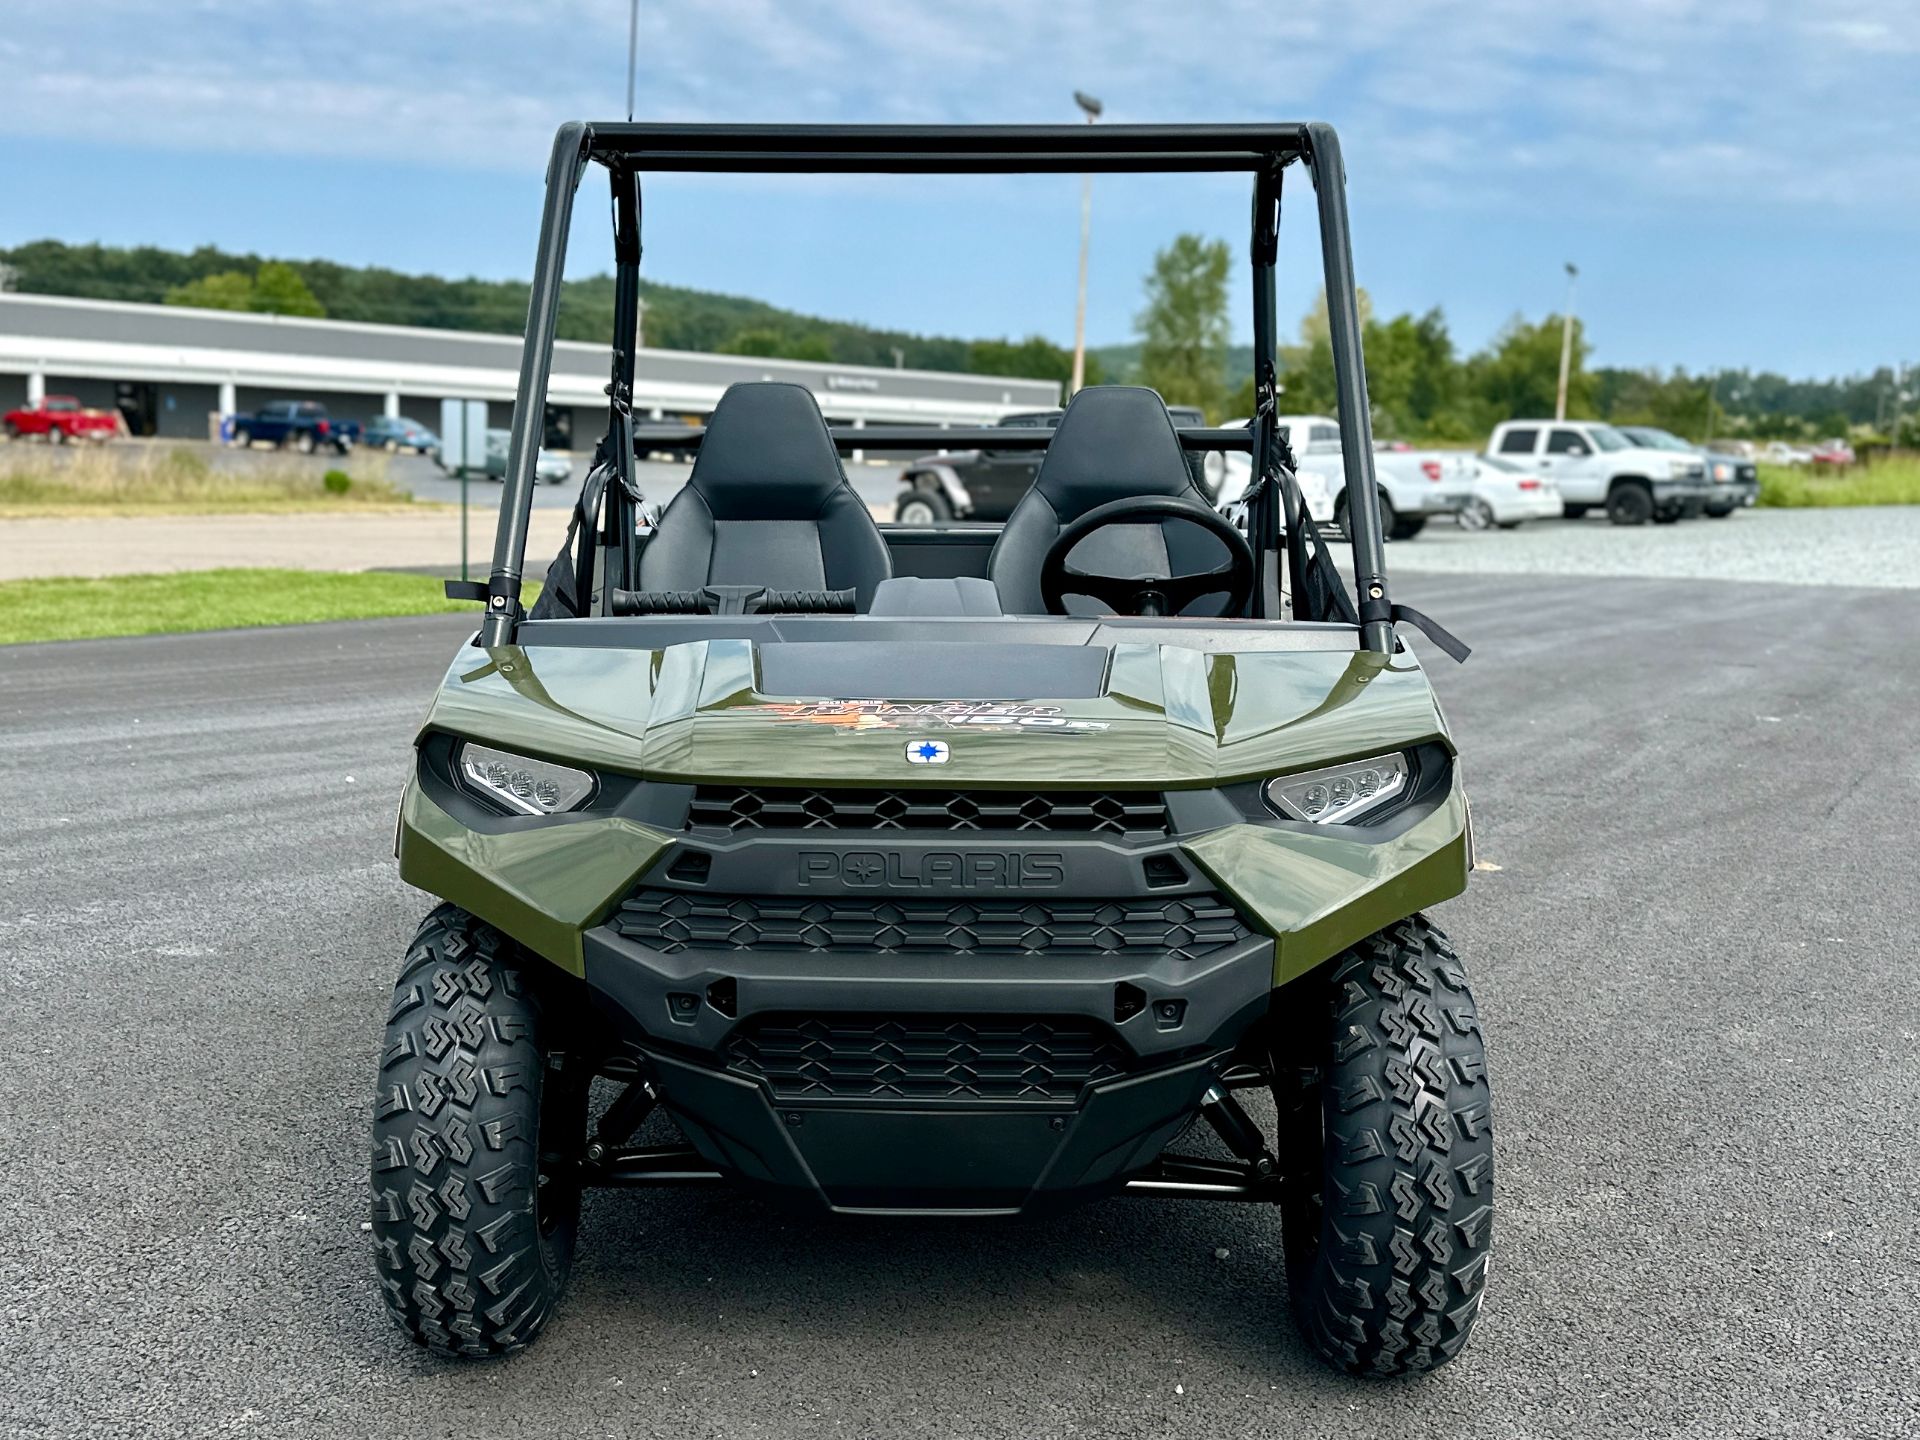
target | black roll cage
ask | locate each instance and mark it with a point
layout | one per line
(626, 150)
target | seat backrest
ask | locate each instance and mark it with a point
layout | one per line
(1114, 442)
(767, 504)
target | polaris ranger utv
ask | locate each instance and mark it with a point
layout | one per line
(968, 870)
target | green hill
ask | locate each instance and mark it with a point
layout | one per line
(677, 318)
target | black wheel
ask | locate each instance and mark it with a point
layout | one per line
(303, 442)
(56, 436)
(242, 438)
(1477, 515)
(1406, 527)
(1666, 517)
(1575, 512)
(921, 507)
(477, 1134)
(1630, 503)
(1386, 1151)
(1388, 519)
(1719, 514)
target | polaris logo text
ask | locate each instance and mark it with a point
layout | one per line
(934, 870)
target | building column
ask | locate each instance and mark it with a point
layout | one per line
(392, 412)
(229, 404)
(36, 387)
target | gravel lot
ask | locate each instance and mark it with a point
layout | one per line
(1876, 545)
(1695, 961)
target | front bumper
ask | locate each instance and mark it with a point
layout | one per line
(1733, 494)
(980, 1021)
(855, 1041)
(1686, 498)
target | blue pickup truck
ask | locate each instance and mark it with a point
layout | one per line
(302, 424)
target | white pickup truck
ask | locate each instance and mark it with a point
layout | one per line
(1414, 485)
(1594, 465)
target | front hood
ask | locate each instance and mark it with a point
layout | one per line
(1151, 715)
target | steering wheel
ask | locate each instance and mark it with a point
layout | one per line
(1147, 594)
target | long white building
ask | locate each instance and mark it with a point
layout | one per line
(172, 371)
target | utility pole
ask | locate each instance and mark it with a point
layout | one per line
(633, 48)
(1092, 107)
(1566, 345)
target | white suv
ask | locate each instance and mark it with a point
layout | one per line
(1595, 465)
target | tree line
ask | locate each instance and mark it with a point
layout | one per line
(676, 318)
(1421, 386)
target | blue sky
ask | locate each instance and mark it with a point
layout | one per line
(1739, 181)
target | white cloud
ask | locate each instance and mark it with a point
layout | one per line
(1589, 106)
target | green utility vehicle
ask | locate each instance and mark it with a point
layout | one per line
(969, 869)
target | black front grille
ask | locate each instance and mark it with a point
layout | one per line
(924, 1057)
(741, 807)
(1186, 927)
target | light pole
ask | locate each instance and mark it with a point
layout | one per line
(1093, 108)
(633, 47)
(1566, 345)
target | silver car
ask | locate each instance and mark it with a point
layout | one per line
(549, 468)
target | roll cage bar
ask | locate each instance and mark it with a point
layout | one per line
(626, 150)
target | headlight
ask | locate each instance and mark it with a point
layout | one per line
(521, 783)
(1340, 793)
(1722, 472)
(1680, 469)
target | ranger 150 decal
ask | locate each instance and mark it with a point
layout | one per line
(892, 714)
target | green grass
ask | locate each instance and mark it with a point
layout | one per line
(211, 600)
(139, 479)
(1887, 482)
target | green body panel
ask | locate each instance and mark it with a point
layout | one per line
(1170, 718)
(542, 885)
(1318, 893)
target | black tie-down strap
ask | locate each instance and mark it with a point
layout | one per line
(1434, 631)
(1327, 597)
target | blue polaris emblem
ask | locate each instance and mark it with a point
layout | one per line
(928, 752)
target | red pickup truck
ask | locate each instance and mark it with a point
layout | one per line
(61, 418)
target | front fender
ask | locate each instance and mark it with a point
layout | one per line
(1317, 893)
(542, 885)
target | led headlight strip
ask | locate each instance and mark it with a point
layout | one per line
(521, 783)
(1340, 793)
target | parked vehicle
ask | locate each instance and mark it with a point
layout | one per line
(549, 468)
(302, 425)
(1732, 482)
(1779, 452)
(395, 432)
(1415, 485)
(1597, 467)
(1507, 493)
(1317, 486)
(1833, 452)
(61, 418)
(938, 873)
(986, 484)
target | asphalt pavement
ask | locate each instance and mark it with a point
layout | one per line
(1693, 947)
